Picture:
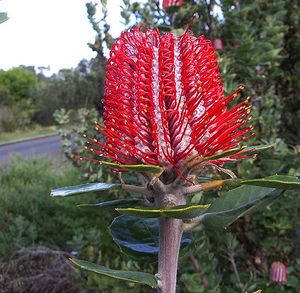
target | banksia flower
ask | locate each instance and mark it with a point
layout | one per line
(164, 104)
(218, 44)
(278, 272)
(168, 3)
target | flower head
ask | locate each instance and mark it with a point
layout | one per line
(278, 272)
(218, 44)
(164, 103)
(167, 3)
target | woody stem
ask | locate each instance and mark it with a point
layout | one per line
(170, 234)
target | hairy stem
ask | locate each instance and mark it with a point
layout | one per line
(170, 234)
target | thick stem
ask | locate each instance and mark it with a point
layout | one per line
(170, 234)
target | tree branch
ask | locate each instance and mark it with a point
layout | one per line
(198, 269)
(235, 270)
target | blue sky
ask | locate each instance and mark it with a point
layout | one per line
(49, 32)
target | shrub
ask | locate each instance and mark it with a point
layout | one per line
(30, 219)
(29, 216)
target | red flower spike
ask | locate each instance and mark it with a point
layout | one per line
(278, 272)
(164, 103)
(168, 3)
(218, 44)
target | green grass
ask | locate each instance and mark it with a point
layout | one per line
(27, 133)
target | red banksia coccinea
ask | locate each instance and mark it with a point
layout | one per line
(218, 44)
(278, 272)
(164, 103)
(167, 3)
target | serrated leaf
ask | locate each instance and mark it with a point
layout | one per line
(135, 168)
(178, 212)
(112, 204)
(131, 276)
(139, 237)
(276, 181)
(236, 203)
(83, 188)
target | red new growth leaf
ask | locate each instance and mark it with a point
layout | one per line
(164, 103)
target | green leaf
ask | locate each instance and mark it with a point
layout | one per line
(135, 168)
(3, 17)
(223, 154)
(236, 203)
(139, 237)
(249, 150)
(131, 276)
(89, 187)
(112, 204)
(276, 181)
(178, 212)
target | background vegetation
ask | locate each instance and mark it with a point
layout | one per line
(260, 49)
(28, 98)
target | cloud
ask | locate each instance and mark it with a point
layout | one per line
(48, 32)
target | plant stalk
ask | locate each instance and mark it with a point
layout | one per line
(170, 233)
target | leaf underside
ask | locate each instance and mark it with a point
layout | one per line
(139, 237)
(112, 204)
(83, 188)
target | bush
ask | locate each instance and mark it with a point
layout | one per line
(31, 218)
(253, 242)
(8, 121)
